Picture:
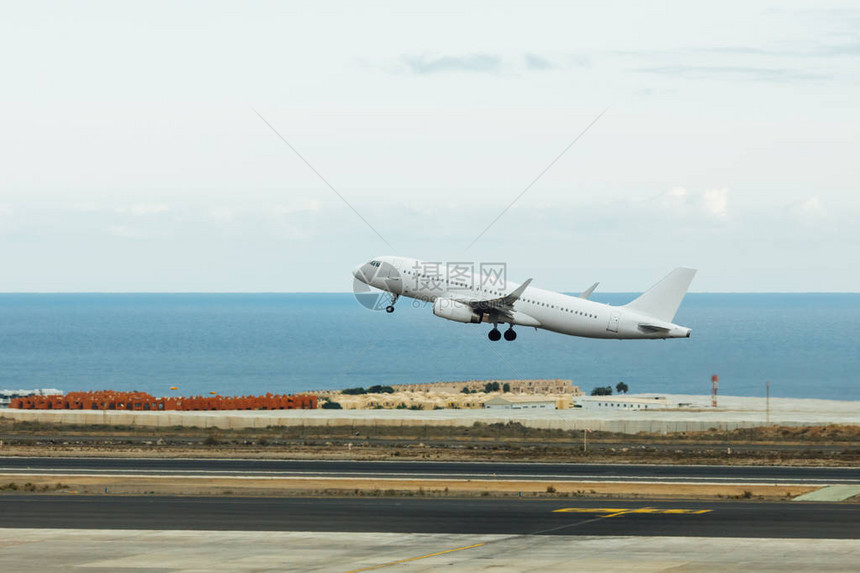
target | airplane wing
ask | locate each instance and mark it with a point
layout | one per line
(502, 306)
(589, 291)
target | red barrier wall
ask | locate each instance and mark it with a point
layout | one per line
(140, 401)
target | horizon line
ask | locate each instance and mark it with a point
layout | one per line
(261, 292)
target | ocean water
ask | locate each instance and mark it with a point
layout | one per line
(805, 344)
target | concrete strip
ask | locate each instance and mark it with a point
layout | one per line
(48, 550)
(831, 493)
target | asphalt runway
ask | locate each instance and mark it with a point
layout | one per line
(428, 515)
(744, 475)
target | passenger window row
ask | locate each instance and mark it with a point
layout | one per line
(577, 312)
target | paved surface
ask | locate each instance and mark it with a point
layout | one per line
(831, 493)
(747, 475)
(429, 515)
(196, 535)
(133, 551)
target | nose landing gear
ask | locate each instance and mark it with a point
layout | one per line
(390, 307)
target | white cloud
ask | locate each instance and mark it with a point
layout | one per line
(86, 207)
(224, 214)
(536, 62)
(811, 205)
(679, 202)
(810, 210)
(716, 202)
(126, 232)
(675, 200)
(484, 63)
(298, 207)
(5, 215)
(143, 209)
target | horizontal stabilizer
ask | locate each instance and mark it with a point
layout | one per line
(662, 300)
(653, 328)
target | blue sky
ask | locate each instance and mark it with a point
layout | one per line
(133, 160)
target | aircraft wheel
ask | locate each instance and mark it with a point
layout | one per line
(389, 308)
(495, 335)
(510, 334)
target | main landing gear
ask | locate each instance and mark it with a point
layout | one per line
(390, 307)
(495, 335)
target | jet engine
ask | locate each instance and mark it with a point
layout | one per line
(453, 310)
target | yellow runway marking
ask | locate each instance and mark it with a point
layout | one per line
(608, 511)
(616, 511)
(390, 563)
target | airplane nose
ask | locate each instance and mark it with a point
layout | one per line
(356, 272)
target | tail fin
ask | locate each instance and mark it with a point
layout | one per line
(662, 300)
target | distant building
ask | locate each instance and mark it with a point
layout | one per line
(6, 396)
(508, 402)
(556, 394)
(622, 403)
(538, 386)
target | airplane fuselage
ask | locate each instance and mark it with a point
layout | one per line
(468, 299)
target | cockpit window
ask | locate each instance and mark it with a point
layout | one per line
(375, 263)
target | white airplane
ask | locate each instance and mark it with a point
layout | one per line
(464, 299)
